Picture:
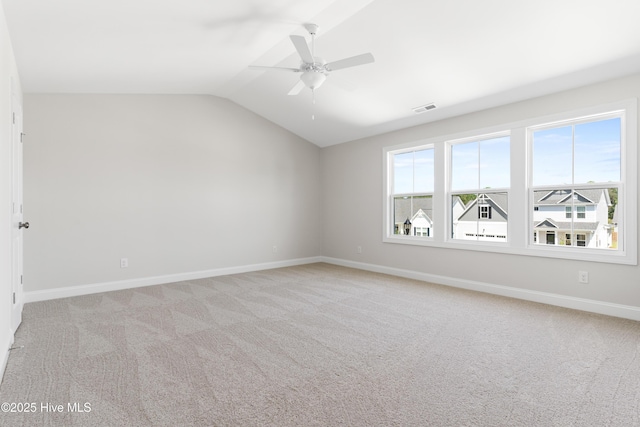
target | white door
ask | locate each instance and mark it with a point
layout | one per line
(17, 217)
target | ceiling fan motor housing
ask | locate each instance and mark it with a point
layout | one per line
(314, 73)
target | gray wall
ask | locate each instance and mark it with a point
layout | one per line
(353, 208)
(176, 184)
(187, 183)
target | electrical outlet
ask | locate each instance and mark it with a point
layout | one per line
(583, 276)
(275, 249)
(359, 249)
(124, 262)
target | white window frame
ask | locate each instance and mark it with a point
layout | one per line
(520, 228)
(448, 144)
(389, 227)
(627, 186)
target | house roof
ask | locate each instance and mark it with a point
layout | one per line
(403, 207)
(549, 224)
(499, 200)
(563, 197)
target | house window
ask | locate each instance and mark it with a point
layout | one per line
(421, 231)
(479, 182)
(484, 212)
(412, 191)
(592, 146)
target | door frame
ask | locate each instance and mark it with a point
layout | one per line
(17, 216)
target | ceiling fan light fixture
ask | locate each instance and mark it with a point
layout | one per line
(313, 79)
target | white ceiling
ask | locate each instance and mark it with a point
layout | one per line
(463, 55)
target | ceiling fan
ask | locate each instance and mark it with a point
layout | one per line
(315, 69)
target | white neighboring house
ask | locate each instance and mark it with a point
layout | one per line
(553, 213)
(484, 218)
(418, 211)
(457, 207)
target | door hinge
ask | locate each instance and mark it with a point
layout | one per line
(22, 134)
(14, 297)
(21, 279)
(14, 118)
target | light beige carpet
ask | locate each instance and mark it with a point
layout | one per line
(320, 345)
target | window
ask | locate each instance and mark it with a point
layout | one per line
(421, 231)
(562, 186)
(484, 212)
(479, 178)
(412, 192)
(592, 147)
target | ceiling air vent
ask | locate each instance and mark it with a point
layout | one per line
(423, 108)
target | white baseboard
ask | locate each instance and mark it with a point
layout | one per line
(593, 306)
(95, 288)
(5, 345)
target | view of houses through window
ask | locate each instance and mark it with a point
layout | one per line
(576, 173)
(480, 180)
(413, 192)
(479, 216)
(563, 185)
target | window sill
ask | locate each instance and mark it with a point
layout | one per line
(589, 255)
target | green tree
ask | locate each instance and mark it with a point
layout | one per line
(613, 195)
(466, 198)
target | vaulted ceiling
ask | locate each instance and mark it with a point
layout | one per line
(462, 55)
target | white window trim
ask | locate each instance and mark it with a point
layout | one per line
(447, 193)
(389, 194)
(519, 200)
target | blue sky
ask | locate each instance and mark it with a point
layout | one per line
(480, 164)
(413, 172)
(594, 151)
(574, 154)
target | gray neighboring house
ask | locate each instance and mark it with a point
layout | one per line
(484, 218)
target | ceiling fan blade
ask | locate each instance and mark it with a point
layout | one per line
(303, 48)
(297, 88)
(263, 67)
(365, 58)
